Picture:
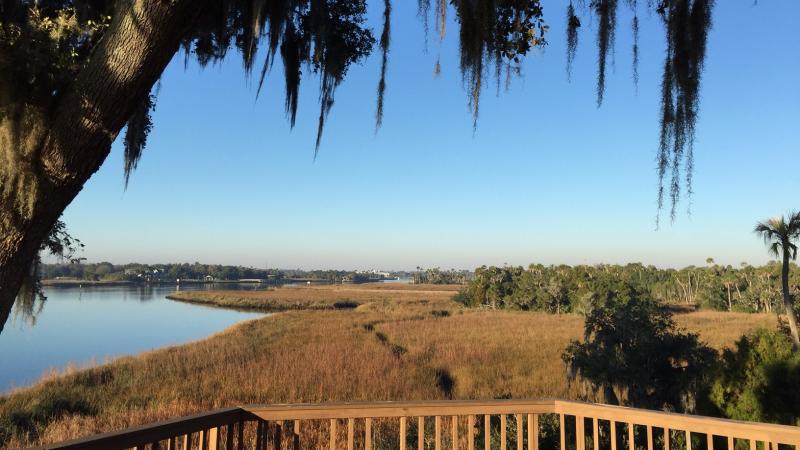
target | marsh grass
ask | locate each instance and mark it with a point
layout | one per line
(401, 343)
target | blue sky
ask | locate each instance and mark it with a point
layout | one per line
(546, 177)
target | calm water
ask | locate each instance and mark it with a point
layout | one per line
(90, 325)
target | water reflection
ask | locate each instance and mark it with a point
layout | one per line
(84, 324)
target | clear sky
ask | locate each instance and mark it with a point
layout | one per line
(547, 177)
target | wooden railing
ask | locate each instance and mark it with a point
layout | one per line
(438, 425)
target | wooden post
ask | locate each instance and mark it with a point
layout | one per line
(277, 438)
(533, 432)
(503, 432)
(296, 435)
(437, 433)
(730, 442)
(229, 436)
(666, 438)
(562, 432)
(613, 435)
(487, 432)
(351, 427)
(580, 434)
(421, 433)
(203, 444)
(631, 437)
(454, 436)
(471, 432)
(649, 437)
(595, 434)
(333, 435)
(709, 441)
(368, 433)
(402, 435)
(688, 440)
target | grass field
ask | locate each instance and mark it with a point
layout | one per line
(401, 342)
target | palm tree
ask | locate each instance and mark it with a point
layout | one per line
(778, 234)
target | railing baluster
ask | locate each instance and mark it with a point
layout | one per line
(666, 438)
(580, 435)
(533, 432)
(203, 444)
(631, 437)
(562, 432)
(454, 426)
(709, 441)
(437, 433)
(487, 432)
(240, 435)
(277, 438)
(688, 440)
(212, 439)
(421, 433)
(753, 444)
(259, 435)
(613, 435)
(502, 432)
(520, 442)
(296, 435)
(351, 432)
(402, 435)
(730, 442)
(595, 434)
(228, 437)
(368, 433)
(471, 432)
(333, 435)
(649, 437)
(171, 443)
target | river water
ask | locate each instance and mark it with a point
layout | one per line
(90, 325)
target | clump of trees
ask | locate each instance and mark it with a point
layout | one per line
(439, 276)
(562, 288)
(633, 353)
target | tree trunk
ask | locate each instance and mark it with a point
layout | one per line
(788, 302)
(80, 127)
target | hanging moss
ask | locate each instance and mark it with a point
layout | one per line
(606, 11)
(573, 23)
(687, 23)
(384, 43)
(136, 132)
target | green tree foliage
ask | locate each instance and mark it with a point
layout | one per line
(560, 289)
(758, 380)
(439, 276)
(780, 234)
(633, 353)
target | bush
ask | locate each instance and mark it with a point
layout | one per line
(758, 380)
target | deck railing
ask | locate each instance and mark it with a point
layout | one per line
(449, 425)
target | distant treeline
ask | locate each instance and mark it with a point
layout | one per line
(106, 271)
(560, 289)
(439, 276)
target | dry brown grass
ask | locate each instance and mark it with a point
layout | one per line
(402, 343)
(322, 297)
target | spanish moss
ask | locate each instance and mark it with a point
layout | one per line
(635, 51)
(687, 23)
(573, 23)
(494, 32)
(139, 125)
(384, 43)
(606, 11)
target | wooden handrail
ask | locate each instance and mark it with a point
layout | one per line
(178, 432)
(160, 431)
